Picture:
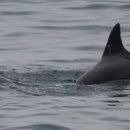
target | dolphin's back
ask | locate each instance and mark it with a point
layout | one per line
(97, 75)
(114, 64)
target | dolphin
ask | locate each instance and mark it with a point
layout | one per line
(114, 64)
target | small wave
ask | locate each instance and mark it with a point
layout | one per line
(14, 49)
(18, 1)
(126, 6)
(120, 95)
(40, 127)
(17, 12)
(15, 34)
(90, 48)
(92, 6)
(81, 27)
(81, 60)
(100, 6)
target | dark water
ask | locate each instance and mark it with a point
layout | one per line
(45, 45)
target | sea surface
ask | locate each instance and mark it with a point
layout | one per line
(45, 45)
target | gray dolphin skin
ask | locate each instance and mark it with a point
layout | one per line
(114, 64)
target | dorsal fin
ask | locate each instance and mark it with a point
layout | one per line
(114, 44)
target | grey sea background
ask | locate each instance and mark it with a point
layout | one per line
(45, 45)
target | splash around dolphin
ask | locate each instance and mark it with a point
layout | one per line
(114, 64)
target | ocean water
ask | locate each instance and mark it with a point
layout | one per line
(45, 45)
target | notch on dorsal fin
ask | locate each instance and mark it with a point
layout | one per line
(114, 44)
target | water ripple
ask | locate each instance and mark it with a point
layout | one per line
(125, 6)
(77, 27)
(90, 48)
(92, 6)
(99, 6)
(17, 13)
(81, 60)
(19, 1)
(40, 127)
